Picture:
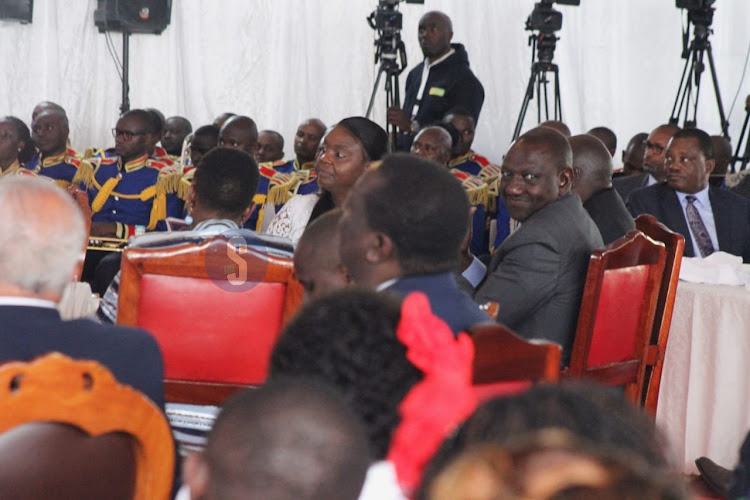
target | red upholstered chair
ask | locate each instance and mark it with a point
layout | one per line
(216, 320)
(617, 313)
(675, 244)
(504, 363)
(69, 430)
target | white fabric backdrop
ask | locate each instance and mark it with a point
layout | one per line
(281, 61)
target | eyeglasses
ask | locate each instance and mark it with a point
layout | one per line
(127, 135)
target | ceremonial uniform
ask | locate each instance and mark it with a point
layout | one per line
(291, 166)
(479, 196)
(281, 188)
(60, 168)
(16, 169)
(136, 195)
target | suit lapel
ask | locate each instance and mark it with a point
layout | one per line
(722, 219)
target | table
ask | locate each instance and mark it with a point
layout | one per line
(704, 399)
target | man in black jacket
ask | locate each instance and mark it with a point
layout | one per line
(592, 182)
(439, 83)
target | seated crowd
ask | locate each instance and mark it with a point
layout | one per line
(369, 392)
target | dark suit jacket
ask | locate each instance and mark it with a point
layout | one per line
(731, 216)
(537, 274)
(447, 301)
(131, 355)
(629, 183)
(608, 212)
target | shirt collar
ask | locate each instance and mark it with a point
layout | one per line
(12, 168)
(27, 301)
(701, 196)
(440, 59)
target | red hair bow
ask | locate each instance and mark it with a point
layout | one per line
(444, 397)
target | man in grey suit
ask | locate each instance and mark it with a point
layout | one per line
(709, 218)
(537, 274)
(653, 163)
(592, 182)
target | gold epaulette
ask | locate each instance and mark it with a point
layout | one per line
(266, 169)
(476, 189)
(62, 183)
(489, 172)
(91, 152)
(185, 181)
(85, 173)
(281, 188)
(168, 182)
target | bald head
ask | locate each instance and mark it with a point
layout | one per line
(433, 143)
(239, 132)
(592, 166)
(317, 264)
(270, 146)
(290, 438)
(551, 142)
(607, 136)
(632, 157)
(307, 139)
(42, 240)
(722, 154)
(435, 35)
(557, 125)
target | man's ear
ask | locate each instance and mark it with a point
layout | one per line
(191, 194)
(195, 475)
(710, 165)
(379, 248)
(565, 179)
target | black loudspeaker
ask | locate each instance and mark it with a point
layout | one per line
(17, 10)
(133, 16)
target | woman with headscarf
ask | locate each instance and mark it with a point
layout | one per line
(346, 152)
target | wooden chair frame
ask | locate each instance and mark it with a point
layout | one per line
(189, 260)
(675, 245)
(634, 249)
(54, 388)
(500, 355)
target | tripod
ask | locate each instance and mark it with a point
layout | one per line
(542, 52)
(391, 53)
(745, 158)
(694, 54)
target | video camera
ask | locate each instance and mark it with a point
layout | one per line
(386, 18)
(546, 19)
(694, 4)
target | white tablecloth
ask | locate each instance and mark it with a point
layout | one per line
(704, 400)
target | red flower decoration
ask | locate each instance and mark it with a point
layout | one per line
(444, 397)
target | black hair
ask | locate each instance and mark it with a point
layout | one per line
(348, 339)
(374, 141)
(606, 135)
(589, 411)
(423, 209)
(305, 421)
(705, 143)
(148, 119)
(23, 133)
(208, 131)
(226, 180)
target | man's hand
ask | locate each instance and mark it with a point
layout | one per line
(399, 118)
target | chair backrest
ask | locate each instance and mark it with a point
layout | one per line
(675, 245)
(617, 313)
(106, 426)
(214, 306)
(505, 363)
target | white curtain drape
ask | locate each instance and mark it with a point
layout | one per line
(282, 61)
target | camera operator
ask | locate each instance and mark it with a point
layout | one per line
(439, 83)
